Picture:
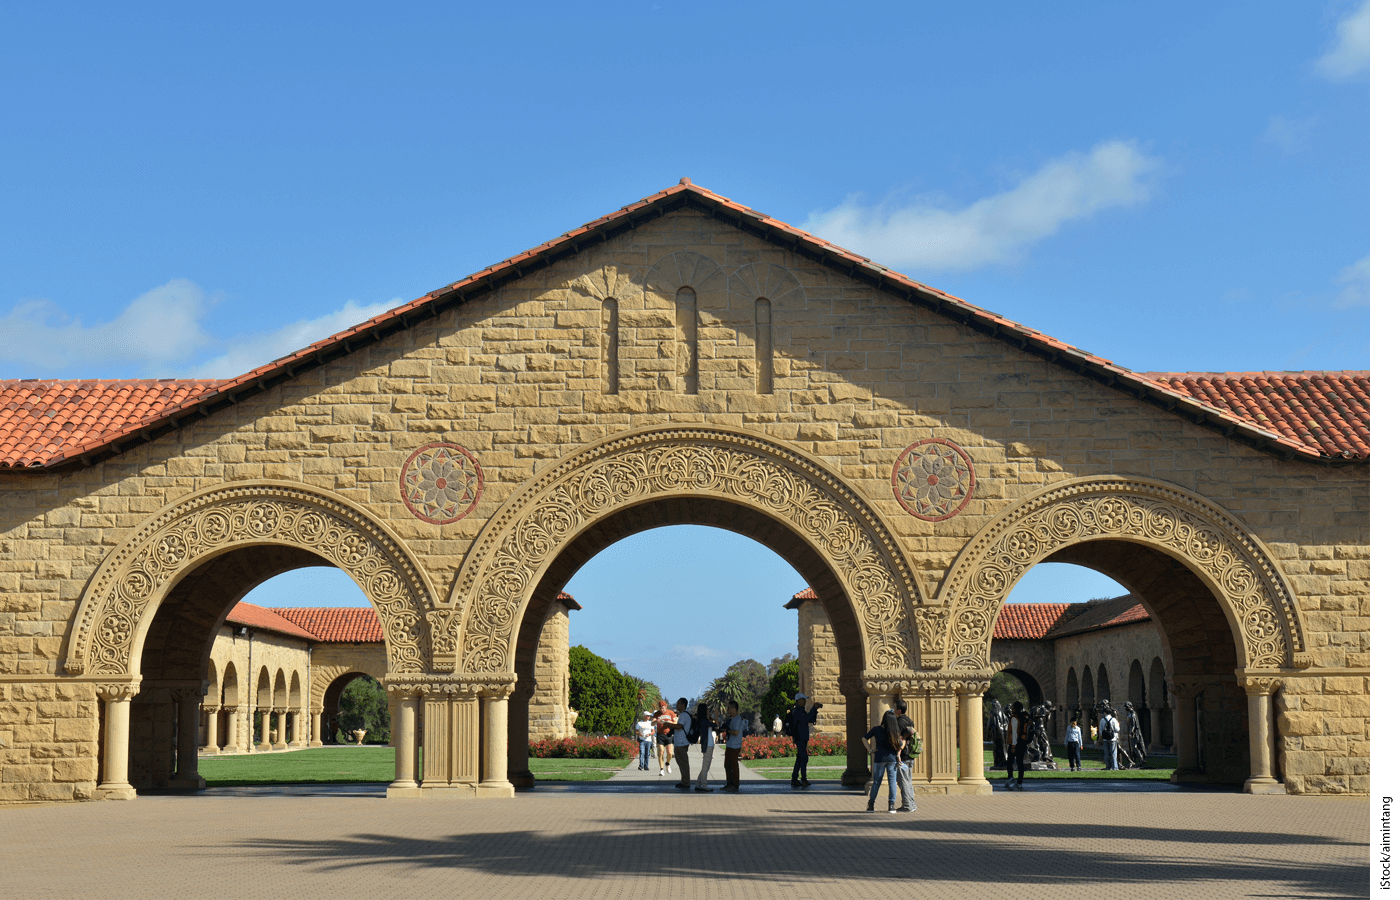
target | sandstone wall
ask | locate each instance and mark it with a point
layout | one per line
(819, 670)
(549, 707)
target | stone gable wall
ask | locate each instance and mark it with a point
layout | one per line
(517, 378)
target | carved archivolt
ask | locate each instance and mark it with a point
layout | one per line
(772, 282)
(693, 270)
(523, 538)
(130, 584)
(1207, 539)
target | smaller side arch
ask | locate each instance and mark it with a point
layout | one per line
(1104, 690)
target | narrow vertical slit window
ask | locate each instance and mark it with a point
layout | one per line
(610, 354)
(688, 326)
(763, 344)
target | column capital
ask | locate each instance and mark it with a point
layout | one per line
(1185, 689)
(948, 683)
(424, 684)
(280, 710)
(1260, 684)
(185, 694)
(119, 690)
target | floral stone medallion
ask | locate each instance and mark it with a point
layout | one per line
(440, 483)
(933, 479)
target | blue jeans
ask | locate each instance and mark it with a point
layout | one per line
(644, 754)
(906, 786)
(1073, 748)
(1110, 754)
(883, 770)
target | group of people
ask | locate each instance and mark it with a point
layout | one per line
(674, 732)
(1018, 736)
(893, 744)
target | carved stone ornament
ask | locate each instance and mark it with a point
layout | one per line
(120, 691)
(912, 684)
(933, 479)
(1260, 684)
(440, 483)
(403, 687)
(932, 622)
(526, 534)
(1186, 527)
(127, 589)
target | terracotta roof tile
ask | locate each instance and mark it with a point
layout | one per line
(1124, 610)
(337, 625)
(118, 431)
(1328, 411)
(264, 619)
(1029, 621)
(41, 421)
(800, 597)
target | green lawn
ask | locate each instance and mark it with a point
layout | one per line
(326, 765)
(829, 768)
(345, 765)
(575, 769)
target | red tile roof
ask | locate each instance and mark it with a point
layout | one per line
(135, 429)
(799, 597)
(1124, 610)
(337, 625)
(1329, 411)
(265, 619)
(41, 421)
(1028, 621)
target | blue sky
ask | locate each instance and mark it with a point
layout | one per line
(198, 190)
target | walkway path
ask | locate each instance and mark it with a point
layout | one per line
(754, 846)
(658, 775)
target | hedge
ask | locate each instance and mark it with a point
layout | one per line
(758, 747)
(584, 748)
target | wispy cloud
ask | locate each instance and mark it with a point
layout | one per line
(1350, 51)
(247, 352)
(1289, 134)
(159, 328)
(161, 333)
(1355, 281)
(997, 229)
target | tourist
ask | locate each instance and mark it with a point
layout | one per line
(1108, 737)
(910, 746)
(702, 736)
(734, 730)
(645, 732)
(1016, 741)
(883, 743)
(665, 721)
(1073, 739)
(799, 726)
(680, 739)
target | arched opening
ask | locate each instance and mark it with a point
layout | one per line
(1028, 681)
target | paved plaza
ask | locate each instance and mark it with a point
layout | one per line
(595, 840)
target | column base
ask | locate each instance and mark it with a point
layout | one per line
(1189, 776)
(316, 744)
(279, 746)
(1264, 786)
(186, 785)
(408, 790)
(448, 792)
(856, 777)
(522, 781)
(117, 791)
(263, 748)
(489, 789)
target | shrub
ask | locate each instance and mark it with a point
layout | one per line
(759, 747)
(782, 687)
(604, 697)
(584, 748)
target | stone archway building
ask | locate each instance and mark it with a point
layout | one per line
(683, 360)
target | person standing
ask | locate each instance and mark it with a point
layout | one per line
(680, 740)
(909, 745)
(881, 743)
(665, 721)
(1074, 739)
(734, 729)
(799, 725)
(704, 738)
(1016, 741)
(1108, 737)
(645, 731)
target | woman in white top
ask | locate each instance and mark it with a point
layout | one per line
(1074, 739)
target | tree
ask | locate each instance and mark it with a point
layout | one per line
(604, 697)
(1006, 688)
(365, 704)
(645, 694)
(782, 688)
(745, 683)
(779, 661)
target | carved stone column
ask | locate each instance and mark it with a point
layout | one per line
(465, 712)
(281, 729)
(1258, 694)
(518, 753)
(294, 736)
(970, 723)
(405, 784)
(437, 736)
(266, 742)
(496, 740)
(187, 702)
(1154, 716)
(857, 772)
(211, 729)
(116, 781)
(316, 727)
(1188, 768)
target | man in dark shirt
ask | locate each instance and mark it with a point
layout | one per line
(906, 762)
(799, 725)
(885, 763)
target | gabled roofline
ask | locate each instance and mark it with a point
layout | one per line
(680, 196)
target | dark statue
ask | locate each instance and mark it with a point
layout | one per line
(998, 721)
(1038, 737)
(1134, 746)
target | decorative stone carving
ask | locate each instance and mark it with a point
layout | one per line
(687, 269)
(933, 479)
(444, 624)
(932, 622)
(524, 536)
(119, 691)
(1189, 528)
(617, 282)
(1260, 684)
(772, 282)
(440, 483)
(128, 586)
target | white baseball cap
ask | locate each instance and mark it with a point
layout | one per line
(800, 696)
(647, 714)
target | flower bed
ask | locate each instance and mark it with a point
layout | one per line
(758, 747)
(584, 748)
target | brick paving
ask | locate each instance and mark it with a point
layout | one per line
(341, 842)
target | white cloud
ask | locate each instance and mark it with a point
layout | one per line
(1355, 280)
(247, 352)
(1288, 134)
(1350, 51)
(160, 327)
(996, 229)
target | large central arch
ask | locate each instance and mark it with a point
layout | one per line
(522, 540)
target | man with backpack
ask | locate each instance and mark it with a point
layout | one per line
(1108, 737)
(913, 746)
